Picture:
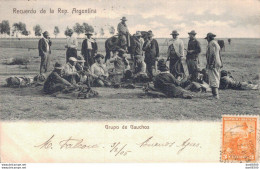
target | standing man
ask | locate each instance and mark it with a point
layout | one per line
(151, 49)
(214, 63)
(192, 57)
(89, 49)
(124, 39)
(136, 50)
(176, 53)
(72, 45)
(44, 47)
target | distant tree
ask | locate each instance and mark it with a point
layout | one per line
(88, 28)
(5, 27)
(37, 30)
(112, 30)
(19, 28)
(56, 31)
(101, 32)
(79, 29)
(26, 33)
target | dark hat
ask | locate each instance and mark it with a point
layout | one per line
(162, 65)
(98, 56)
(88, 33)
(210, 35)
(223, 73)
(138, 33)
(128, 74)
(192, 32)
(46, 33)
(150, 33)
(57, 65)
(174, 32)
(80, 59)
(124, 18)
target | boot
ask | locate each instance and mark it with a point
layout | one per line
(215, 92)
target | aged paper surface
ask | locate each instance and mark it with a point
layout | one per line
(127, 123)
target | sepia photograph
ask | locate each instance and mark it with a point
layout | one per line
(147, 64)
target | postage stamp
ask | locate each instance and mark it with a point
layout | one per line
(239, 139)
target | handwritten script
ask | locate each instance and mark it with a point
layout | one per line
(118, 148)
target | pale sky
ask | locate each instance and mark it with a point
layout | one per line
(225, 18)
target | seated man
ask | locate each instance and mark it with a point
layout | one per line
(168, 84)
(99, 72)
(70, 72)
(120, 62)
(54, 82)
(228, 82)
(83, 71)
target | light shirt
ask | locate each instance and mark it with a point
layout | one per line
(72, 42)
(178, 46)
(99, 69)
(89, 42)
(47, 44)
(122, 28)
(69, 69)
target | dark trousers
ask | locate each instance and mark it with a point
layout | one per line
(193, 68)
(45, 63)
(89, 58)
(71, 52)
(150, 68)
(175, 68)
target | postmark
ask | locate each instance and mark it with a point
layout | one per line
(239, 139)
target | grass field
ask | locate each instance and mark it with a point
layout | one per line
(241, 58)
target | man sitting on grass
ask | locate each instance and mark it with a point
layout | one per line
(70, 72)
(99, 72)
(166, 83)
(59, 86)
(55, 82)
(228, 82)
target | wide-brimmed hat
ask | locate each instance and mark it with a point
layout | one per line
(124, 18)
(174, 32)
(88, 33)
(162, 65)
(81, 59)
(138, 33)
(57, 65)
(210, 35)
(192, 32)
(73, 59)
(46, 33)
(150, 33)
(99, 56)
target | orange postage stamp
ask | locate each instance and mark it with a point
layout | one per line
(239, 139)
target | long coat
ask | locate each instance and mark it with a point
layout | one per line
(42, 47)
(89, 53)
(214, 63)
(44, 53)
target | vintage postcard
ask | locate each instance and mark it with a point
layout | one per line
(129, 81)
